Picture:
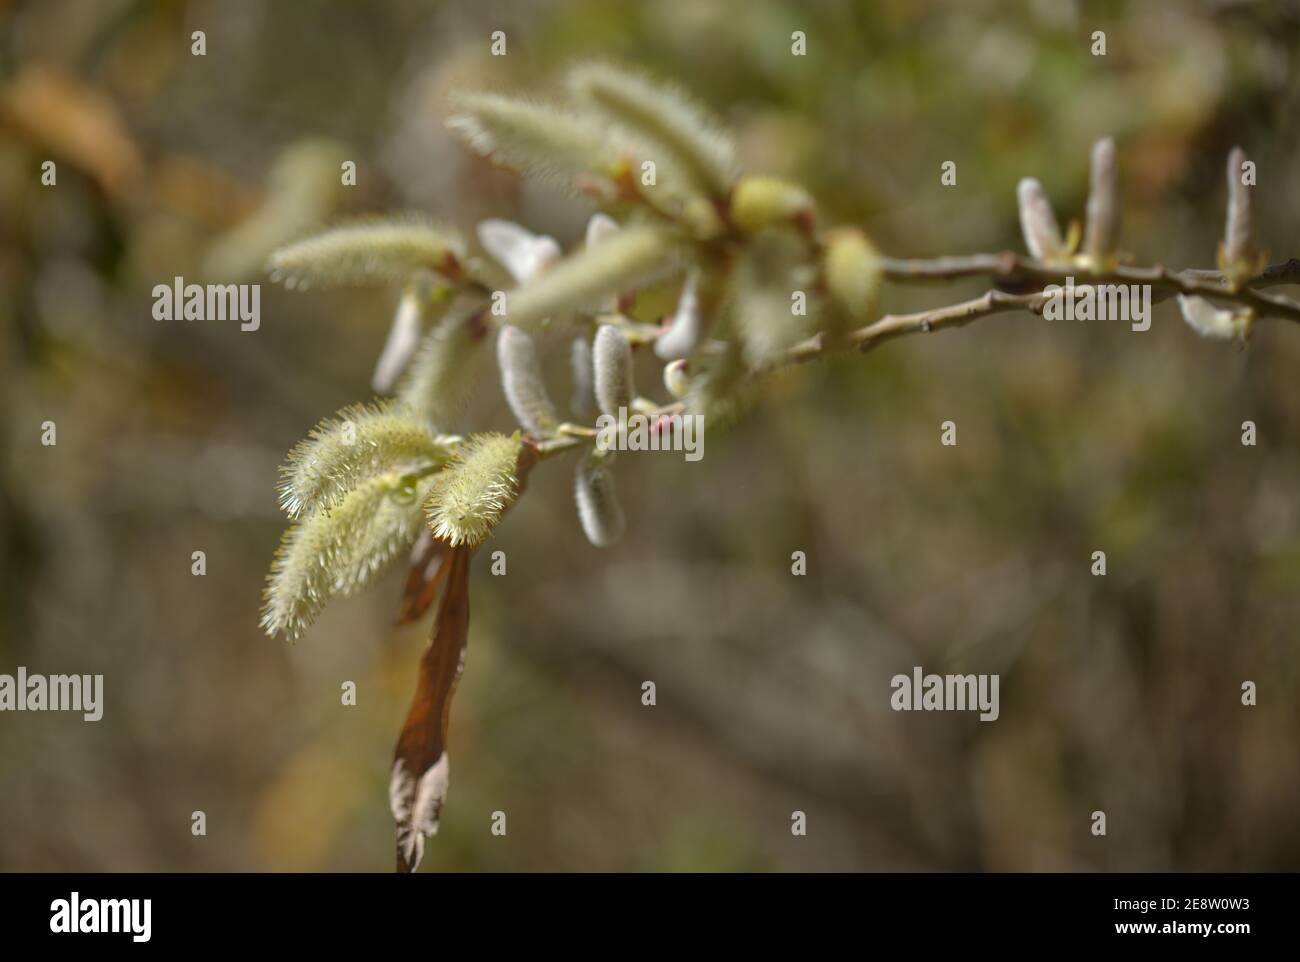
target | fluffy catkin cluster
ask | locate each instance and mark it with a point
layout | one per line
(335, 551)
(741, 252)
(757, 287)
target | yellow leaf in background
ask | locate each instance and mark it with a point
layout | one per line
(77, 122)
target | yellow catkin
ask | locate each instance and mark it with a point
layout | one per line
(470, 495)
(853, 272)
(370, 250)
(758, 203)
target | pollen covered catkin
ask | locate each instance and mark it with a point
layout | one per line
(521, 380)
(853, 272)
(470, 495)
(664, 115)
(542, 142)
(598, 508)
(370, 250)
(612, 364)
(758, 203)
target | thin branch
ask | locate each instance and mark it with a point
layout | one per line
(1164, 282)
(891, 326)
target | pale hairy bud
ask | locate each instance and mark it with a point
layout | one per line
(1102, 230)
(1239, 257)
(599, 227)
(1037, 221)
(584, 397)
(598, 508)
(611, 356)
(521, 381)
(675, 380)
(1218, 324)
(520, 251)
(682, 335)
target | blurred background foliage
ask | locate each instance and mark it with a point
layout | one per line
(1119, 693)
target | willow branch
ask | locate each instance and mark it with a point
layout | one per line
(1009, 266)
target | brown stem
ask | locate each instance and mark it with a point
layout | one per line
(1164, 282)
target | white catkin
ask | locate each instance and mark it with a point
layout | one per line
(1238, 240)
(521, 380)
(598, 508)
(404, 335)
(1207, 320)
(520, 251)
(683, 334)
(403, 339)
(599, 227)
(584, 397)
(612, 365)
(1103, 202)
(1037, 221)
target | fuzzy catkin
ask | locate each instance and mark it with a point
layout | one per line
(445, 368)
(683, 333)
(665, 116)
(584, 395)
(520, 251)
(853, 272)
(1037, 220)
(676, 381)
(369, 250)
(1238, 240)
(623, 261)
(474, 490)
(1207, 320)
(422, 299)
(1103, 203)
(758, 203)
(357, 444)
(612, 365)
(599, 511)
(335, 552)
(543, 142)
(521, 380)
